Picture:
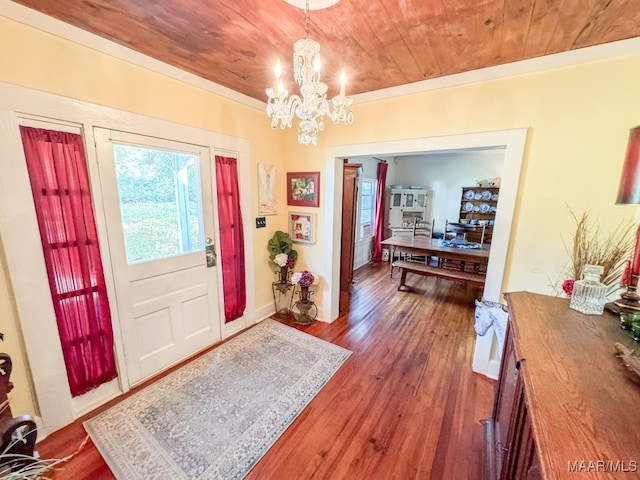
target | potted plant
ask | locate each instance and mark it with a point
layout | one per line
(281, 254)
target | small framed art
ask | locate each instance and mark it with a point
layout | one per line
(303, 189)
(268, 205)
(302, 227)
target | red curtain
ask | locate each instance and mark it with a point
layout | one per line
(60, 187)
(231, 238)
(379, 212)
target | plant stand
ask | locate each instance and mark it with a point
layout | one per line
(282, 298)
(304, 310)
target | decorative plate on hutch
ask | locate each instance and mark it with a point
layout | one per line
(469, 194)
(486, 195)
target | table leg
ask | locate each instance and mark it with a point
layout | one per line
(392, 255)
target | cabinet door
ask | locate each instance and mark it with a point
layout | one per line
(396, 200)
(506, 396)
(394, 218)
(421, 200)
(409, 199)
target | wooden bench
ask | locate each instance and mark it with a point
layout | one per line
(427, 270)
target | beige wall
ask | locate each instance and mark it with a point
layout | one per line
(578, 119)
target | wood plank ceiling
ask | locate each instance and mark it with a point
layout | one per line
(381, 43)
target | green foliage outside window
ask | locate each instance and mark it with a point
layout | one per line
(159, 194)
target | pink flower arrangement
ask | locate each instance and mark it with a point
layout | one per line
(305, 278)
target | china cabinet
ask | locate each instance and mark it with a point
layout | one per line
(404, 206)
(479, 204)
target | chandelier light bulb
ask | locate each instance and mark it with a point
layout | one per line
(316, 64)
(343, 82)
(277, 70)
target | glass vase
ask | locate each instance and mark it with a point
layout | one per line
(284, 274)
(589, 294)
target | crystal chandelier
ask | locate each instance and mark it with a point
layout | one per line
(313, 105)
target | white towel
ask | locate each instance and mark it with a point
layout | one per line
(491, 314)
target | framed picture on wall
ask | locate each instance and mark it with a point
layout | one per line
(302, 227)
(303, 189)
(267, 202)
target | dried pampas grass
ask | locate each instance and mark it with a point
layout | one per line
(591, 247)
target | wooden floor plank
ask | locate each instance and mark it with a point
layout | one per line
(406, 404)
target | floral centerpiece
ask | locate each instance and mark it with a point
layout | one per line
(590, 247)
(281, 253)
(305, 278)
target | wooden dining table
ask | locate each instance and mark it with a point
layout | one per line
(434, 247)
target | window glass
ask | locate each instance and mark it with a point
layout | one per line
(160, 202)
(366, 203)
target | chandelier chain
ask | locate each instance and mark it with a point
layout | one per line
(306, 20)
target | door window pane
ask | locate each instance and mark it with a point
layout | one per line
(160, 202)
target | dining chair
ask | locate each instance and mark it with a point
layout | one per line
(421, 229)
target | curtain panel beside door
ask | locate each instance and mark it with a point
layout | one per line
(231, 238)
(379, 212)
(60, 186)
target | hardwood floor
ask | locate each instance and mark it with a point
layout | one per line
(405, 405)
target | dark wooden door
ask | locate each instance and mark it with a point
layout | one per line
(349, 200)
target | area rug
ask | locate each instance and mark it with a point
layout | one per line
(216, 417)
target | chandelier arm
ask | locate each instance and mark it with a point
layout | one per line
(293, 102)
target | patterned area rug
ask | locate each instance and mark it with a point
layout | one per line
(217, 416)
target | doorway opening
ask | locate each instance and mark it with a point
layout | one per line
(511, 141)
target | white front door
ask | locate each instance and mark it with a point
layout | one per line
(158, 202)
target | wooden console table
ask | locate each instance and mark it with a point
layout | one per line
(565, 406)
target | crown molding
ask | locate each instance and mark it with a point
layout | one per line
(534, 65)
(40, 21)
